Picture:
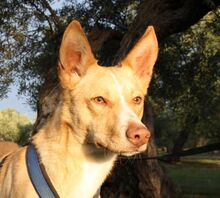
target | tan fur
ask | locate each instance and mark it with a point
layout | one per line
(7, 147)
(89, 128)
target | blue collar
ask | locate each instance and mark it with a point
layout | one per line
(38, 175)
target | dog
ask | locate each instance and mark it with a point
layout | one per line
(7, 147)
(98, 118)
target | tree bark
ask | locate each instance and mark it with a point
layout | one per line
(134, 178)
(167, 17)
(183, 136)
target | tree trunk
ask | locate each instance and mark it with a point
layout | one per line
(134, 178)
(183, 136)
(167, 17)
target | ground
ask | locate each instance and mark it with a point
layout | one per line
(198, 176)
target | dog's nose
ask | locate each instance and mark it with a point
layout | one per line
(138, 135)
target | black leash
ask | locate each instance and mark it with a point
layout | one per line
(38, 176)
(184, 153)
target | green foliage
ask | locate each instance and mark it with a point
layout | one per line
(14, 126)
(186, 84)
(28, 39)
(25, 131)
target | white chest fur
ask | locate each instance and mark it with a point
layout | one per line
(94, 174)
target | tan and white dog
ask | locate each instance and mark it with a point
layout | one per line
(97, 118)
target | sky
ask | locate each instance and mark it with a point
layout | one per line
(17, 102)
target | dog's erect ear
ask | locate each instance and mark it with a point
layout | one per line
(144, 55)
(75, 55)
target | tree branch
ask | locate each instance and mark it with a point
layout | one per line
(54, 16)
(41, 12)
(167, 17)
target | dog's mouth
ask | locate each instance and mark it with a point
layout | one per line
(104, 147)
(99, 145)
(124, 152)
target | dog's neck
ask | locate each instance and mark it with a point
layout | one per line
(75, 169)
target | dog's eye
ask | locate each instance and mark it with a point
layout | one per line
(137, 100)
(99, 100)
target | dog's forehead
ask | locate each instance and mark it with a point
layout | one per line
(122, 74)
(112, 77)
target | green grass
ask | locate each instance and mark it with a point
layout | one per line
(197, 176)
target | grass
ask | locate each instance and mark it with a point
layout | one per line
(197, 176)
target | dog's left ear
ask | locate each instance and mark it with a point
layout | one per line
(143, 56)
(75, 55)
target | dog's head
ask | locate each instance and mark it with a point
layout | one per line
(103, 106)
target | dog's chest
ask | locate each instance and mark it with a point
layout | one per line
(93, 175)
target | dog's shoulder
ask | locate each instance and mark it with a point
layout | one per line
(13, 169)
(12, 159)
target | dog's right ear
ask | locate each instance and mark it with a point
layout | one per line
(75, 55)
(143, 56)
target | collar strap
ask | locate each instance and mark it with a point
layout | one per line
(38, 176)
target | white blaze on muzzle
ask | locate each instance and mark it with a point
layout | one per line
(126, 114)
